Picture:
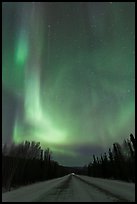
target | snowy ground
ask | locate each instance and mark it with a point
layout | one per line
(74, 188)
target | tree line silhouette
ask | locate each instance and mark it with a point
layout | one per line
(27, 163)
(119, 163)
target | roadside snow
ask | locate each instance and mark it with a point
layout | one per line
(119, 188)
(32, 192)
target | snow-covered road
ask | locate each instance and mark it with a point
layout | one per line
(74, 188)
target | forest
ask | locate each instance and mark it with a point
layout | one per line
(27, 163)
(118, 163)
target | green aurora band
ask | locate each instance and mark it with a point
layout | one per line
(74, 70)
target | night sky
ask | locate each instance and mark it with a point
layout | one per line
(68, 76)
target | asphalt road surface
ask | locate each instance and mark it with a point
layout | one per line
(73, 188)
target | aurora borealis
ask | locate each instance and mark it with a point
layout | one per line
(68, 76)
